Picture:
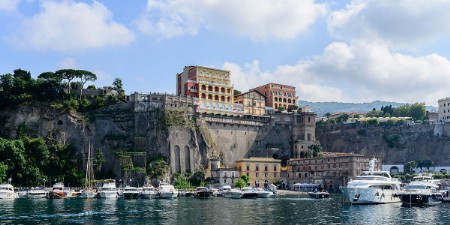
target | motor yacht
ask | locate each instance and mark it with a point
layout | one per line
(57, 191)
(372, 187)
(149, 192)
(37, 192)
(108, 190)
(423, 190)
(7, 192)
(203, 192)
(167, 191)
(131, 192)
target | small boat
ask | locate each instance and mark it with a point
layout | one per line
(445, 195)
(38, 192)
(203, 192)
(167, 191)
(7, 192)
(108, 190)
(131, 192)
(423, 190)
(223, 189)
(57, 191)
(319, 194)
(149, 192)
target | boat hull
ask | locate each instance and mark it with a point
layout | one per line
(168, 195)
(421, 199)
(108, 194)
(131, 195)
(203, 194)
(370, 195)
(88, 194)
(148, 195)
(8, 195)
(319, 195)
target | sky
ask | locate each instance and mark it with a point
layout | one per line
(330, 50)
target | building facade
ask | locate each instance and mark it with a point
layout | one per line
(444, 110)
(211, 88)
(253, 102)
(278, 95)
(331, 170)
(261, 171)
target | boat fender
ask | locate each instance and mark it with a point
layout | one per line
(382, 195)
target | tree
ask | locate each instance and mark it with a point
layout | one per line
(316, 149)
(117, 86)
(158, 168)
(417, 111)
(67, 74)
(85, 76)
(3, 169)
(245, 178)
(328, 114)
(236, 92)
(241, 183)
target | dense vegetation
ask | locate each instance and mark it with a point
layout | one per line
(416, 111)
(32, 161)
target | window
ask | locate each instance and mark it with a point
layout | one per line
(256, 174)
(275, 168)
(266, 168)
(248, 167)
(275, 175)
(257, 168)
(265, 174)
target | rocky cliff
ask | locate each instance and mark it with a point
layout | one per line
(395, 144)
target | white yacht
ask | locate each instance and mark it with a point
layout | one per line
(37, 192)
(108, 190)
(263, 193)
(131, 192)
(167, 191)
(148, 192)
(7, 192)
(233, 193)
(423, 190)
(372, 187)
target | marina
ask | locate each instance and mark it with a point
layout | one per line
(284, 209)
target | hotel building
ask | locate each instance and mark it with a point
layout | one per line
(253, 102)
(331, 170)
(211, 88)
(261, 171)
(444, 110)
(278, 95)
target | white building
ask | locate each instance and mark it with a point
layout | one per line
(393, 169)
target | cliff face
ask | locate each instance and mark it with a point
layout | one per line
(396, 144)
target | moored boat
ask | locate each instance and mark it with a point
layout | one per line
(89, 191)
(372, 187)
(57, 191)
(203, 192)
(7, 192)
(263, 193)
(423, 190)
(108, 189)
(249, 192)
(131, 192)
(167, 191)
(148, 192)
(38, 192)
(232, 193)
(319, 194)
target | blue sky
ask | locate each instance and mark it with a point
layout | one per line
(344, 51)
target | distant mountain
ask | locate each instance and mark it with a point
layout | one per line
(333, 107)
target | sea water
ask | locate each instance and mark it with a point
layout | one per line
(216, 210)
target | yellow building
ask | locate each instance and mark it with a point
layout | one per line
(261, 171)
(253, 102)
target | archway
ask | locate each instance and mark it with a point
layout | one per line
(177, 159)
(187, 159)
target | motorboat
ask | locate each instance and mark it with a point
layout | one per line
(57, 191)
(7, 192)
(263, 193)
(38, 192)
(372, 187)
(203, 192)
(108, 189)
(131, 192)
(319, 194)
(249, 192)
(423, 190)
(223, 189)
(232, 193)
(167, 191)
(149, 192)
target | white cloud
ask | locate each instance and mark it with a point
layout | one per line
(259, 20)
(9, 5)
(71, 26)
(400, 23)
(357, 72)
(68, 63)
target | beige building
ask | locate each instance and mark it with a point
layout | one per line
(261, 171)
(278, 95)
(253, 102)
(331, 170)
(210, 87)
(444, 110)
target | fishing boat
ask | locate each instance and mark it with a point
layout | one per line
(89, 191)
(372, 187)
(7, 192)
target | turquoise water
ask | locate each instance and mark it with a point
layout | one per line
(187, 210)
